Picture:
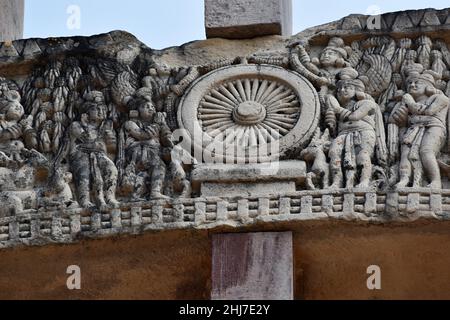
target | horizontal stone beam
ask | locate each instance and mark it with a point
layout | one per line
(244, 19)
(278, 171)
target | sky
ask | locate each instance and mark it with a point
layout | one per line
(165, 23)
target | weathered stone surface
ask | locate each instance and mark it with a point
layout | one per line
(284, 170)
(250, 180)
(348, 197)
(351, 23)
(252, 266)
(245, 19)
(402, 22)
(430, 19)
(255, 189)
(11, 19)
(331, 267)
(331, 259)
(91, 130)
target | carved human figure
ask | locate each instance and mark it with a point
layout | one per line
(424, 110)
(90, 141)
(158, 79)
(146, 134)
(167, 86)
(360, 130)
(323, 71)
(15, 131)
(17, 163)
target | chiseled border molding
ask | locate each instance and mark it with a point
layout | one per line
(36, 228)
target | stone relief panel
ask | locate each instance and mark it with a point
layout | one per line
(353, 124)
(365, 115)
(385, 104)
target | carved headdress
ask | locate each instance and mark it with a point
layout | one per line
(10, 96)
(337, 44)
(143, 95)
(92, 98)
(416, 72)
(350, 76)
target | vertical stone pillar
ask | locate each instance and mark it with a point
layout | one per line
(11, 19)
(252, 266)
(244, 19)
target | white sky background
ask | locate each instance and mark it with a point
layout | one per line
(165, 23)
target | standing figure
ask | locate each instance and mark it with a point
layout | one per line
(360, 130)
(424, 110)
(323, 71)
(90, 141)
(145, 136)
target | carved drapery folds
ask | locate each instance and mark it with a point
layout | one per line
(94, 132)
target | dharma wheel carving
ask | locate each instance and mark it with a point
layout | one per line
(240, 112)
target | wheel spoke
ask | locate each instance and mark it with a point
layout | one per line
(255, 88)
(290, 111)
(273, 94)
(248, 89)
(282, 119)
(279, 97)
(274, 133)
(214, 116)
(263, 135)
(261, 90)
(241, 90)
(268, 91)
(229, 94)
(221, 96)
(235, 93)
(281, 126)
(273, 112)
(222, 103)
(253, 139)
(217, 125)
(283, 105)
(216, 131)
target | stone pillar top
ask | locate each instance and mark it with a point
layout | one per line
(11, 19)
(244, 19)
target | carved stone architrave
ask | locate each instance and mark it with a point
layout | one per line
(339, 122)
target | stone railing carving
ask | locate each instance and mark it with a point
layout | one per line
(103, 135)
(67, 226)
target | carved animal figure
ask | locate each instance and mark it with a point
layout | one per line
(58, 191)
(315, 156)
